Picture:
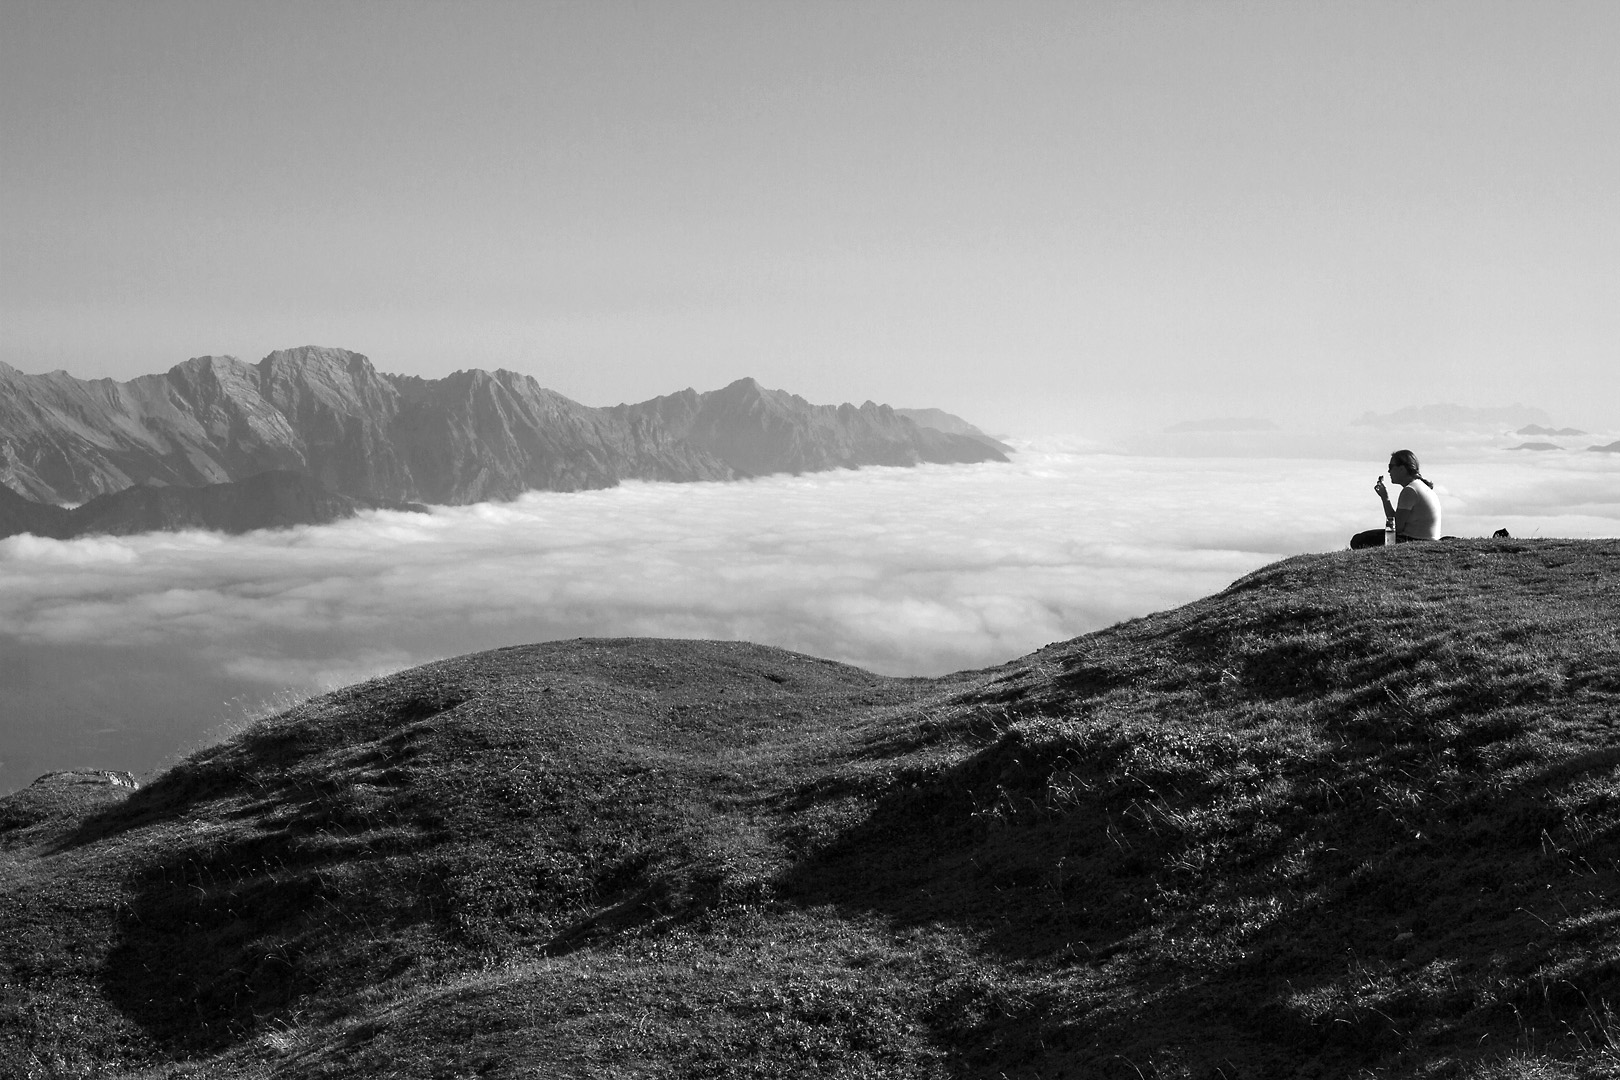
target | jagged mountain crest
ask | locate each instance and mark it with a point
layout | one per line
(470, 436)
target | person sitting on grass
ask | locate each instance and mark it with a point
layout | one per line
(1416, 513)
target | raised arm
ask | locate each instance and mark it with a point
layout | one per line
(1383, 497)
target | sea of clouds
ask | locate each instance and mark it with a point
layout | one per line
(121, 652)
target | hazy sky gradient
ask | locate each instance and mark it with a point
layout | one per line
(1041, 216)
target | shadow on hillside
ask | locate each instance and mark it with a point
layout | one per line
(1396, 931)
(265, 851)
(262, 766)
(212, 940)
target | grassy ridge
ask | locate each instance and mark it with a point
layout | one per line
(1359, 814)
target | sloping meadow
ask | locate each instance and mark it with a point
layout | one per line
(1357, 814)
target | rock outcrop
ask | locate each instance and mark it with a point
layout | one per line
(468, 437)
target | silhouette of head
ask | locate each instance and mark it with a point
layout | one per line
(1408, 461)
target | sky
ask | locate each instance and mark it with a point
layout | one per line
(121, 652)
(1043, 217)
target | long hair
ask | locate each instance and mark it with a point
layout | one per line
(1408, 460)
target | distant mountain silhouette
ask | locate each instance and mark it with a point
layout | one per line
(1454, 417)
(1537, 446)
(1537, 429)
(471, 436)
(940, 420)
(1607, 448)
(271, 500)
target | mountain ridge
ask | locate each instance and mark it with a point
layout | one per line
(1452, 417)
(273, 499)
(470, 436)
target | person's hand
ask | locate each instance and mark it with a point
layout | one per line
(1383, 492)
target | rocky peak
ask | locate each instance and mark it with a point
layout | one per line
(311, 378)
(746, 397)
(472, 435)
(210, 380)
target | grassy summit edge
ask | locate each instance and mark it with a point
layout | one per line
(1357, 814)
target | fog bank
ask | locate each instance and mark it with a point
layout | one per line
(121, 652)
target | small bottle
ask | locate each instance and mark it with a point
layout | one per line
(1389, 531)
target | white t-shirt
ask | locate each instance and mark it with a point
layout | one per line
(1423, 517)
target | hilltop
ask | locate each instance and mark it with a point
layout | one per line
(1356, 815)
(377, 438)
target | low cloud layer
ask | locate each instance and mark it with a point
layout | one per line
(118, 652)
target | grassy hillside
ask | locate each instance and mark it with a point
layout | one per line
(1357, 815)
